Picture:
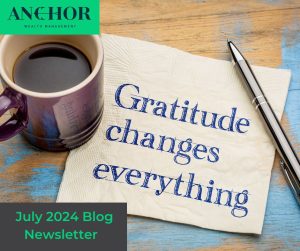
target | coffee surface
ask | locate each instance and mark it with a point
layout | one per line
(51, 67)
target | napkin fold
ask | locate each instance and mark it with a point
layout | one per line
(179, 140)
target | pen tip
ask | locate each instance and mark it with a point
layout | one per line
(229, 42)
(234, 51)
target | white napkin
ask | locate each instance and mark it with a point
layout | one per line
(156, 151)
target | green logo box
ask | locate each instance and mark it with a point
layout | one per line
(39, 17)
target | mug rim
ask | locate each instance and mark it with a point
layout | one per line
(73, 89)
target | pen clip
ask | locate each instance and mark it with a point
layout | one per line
(292, 179)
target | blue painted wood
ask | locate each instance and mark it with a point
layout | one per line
(290, 56)
(27, 173)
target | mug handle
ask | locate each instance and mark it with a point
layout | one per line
(10, 99)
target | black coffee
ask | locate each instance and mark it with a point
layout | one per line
(51, 67)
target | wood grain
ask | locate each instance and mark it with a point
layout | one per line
(268, 32)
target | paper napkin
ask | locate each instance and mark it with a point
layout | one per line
(179, 140)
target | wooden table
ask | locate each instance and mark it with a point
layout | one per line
(267, 31)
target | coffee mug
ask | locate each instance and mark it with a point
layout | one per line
(54, 121)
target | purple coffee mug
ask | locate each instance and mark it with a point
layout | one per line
(54, 121)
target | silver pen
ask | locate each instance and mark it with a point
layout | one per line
(289, 161)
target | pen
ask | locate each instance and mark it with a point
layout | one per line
(289, 162)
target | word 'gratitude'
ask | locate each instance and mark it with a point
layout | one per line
(182, 113)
